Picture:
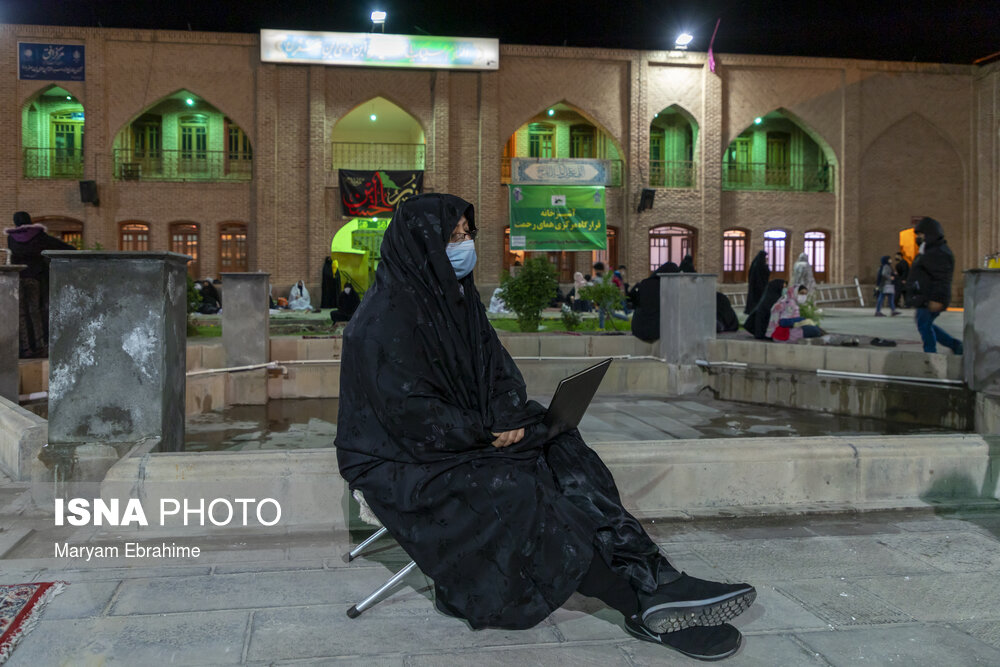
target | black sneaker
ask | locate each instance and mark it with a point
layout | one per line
(701, 643)
(687, 602)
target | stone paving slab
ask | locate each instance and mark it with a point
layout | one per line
(910, 645)
(877, 588)
(201, 638)
(325, 630)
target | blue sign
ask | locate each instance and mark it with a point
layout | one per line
(50, 62)
(560, 171)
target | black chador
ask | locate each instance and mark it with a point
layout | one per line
(506, 534)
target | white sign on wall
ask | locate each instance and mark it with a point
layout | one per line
(363, 49)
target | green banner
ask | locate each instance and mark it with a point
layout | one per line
(557, 217)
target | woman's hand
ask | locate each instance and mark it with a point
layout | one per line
(507, 438)
(935, 306)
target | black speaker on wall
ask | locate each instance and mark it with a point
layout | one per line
(88, 192)
(646, 199)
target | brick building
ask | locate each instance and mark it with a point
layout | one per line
(197, 146)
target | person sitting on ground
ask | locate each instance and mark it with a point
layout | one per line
(885, 283)
(646, 319)
(802, 273)
(436, 431)
(787, 324)
(209, 298)
(298, 298)
(687, 264)
(757, 278)
(347, 303)
(497, 306)
(725, 316)
(758, 320)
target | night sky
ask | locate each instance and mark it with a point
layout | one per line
(950, 31)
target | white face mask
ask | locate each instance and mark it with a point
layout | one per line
(801, 298)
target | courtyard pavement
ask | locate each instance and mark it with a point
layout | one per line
(907, 588)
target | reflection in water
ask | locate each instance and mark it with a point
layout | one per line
(312, 423)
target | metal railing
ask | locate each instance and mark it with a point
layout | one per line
(765, 176)
(359, 155)
(615, 175)
(673, 173)
(181, 165)
(53, 162)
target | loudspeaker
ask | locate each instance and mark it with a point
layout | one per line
(88, 192)
(646, 199)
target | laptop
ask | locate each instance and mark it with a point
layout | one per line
(573, 397)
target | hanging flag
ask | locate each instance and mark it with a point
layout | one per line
(711, 54)
(368, 194)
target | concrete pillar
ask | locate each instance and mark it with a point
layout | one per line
(9, 328)
(245, 318)
(687, 316)
(117, 347)
(981, 333)
(245, 335)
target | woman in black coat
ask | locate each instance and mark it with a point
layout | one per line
(757, 279)
(435, 429)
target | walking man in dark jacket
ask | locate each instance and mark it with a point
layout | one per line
(929, 284)
(26, 242)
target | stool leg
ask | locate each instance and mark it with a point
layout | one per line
(357, 609)
(356, 551)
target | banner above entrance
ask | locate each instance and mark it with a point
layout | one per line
(375, 194)
(557, 218)
(372, 49)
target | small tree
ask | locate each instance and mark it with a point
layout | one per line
(571, 319)
(531, 290)
(606, 296)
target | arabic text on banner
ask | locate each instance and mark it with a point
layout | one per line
(557, 218)
(50, 62)
(368, 194)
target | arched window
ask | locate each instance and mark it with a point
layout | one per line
(377, 134)
(70, 230)
(816, 246)
(52, 124)
(776, 247)
(735, 245)
(133, 237)
(239, 153)
(233, 257)
(672, 136)
(609, 255)
(541, 140)
(184, 240)
(669, 243)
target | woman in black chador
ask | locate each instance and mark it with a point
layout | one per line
(435, 430)
(757, 278)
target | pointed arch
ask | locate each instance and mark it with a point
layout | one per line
(378, 133)
(52, 130)
(182, 137)
(778, 151)
(910, 170)
(578, 109)
(673, 148)
(203, 102)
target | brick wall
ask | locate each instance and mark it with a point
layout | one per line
(906, 139)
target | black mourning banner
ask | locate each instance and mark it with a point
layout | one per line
(370, 194)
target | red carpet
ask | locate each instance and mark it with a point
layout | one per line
(21, 606)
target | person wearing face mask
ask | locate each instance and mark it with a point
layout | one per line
(787, 324)
(929, 284)
(435, 429)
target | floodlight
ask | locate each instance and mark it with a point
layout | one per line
(378, 17)
(683, 40)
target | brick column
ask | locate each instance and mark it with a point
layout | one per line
(9, 328)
